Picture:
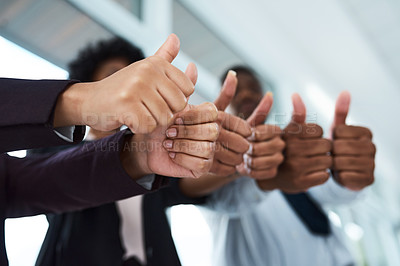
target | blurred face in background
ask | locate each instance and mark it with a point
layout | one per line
(248, 94)
(109, 67)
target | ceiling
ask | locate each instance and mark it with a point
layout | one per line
(52, 29)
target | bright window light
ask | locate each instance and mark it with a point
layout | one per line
(191, 235)
(16, 62)
(321, 100)
(25, 235)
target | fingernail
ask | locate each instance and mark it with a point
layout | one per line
(171, 132)
(179, 121)
(247, 160)
(250, 150)
(231, 72)
(168, 144)
(270, 93)
(253, 134)
(247, 169)
(172, 154)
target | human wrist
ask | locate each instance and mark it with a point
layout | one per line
(133, 160)
(68, 111)
(267, 185)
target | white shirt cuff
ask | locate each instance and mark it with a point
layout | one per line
(66, 133)
(146, 181)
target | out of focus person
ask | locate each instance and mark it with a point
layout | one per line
(270, 212)
(80, 177)
(134, 231)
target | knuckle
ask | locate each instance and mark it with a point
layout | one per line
(244, 147)
(277, 130)
(273, 172)
(327, 145)
(190, 89)
(281, 144)
(280, 158)
(373, 149)
(212, 110)
(180, 103)
(202, 166)
(324, 177)
(213, 130)
(210, 149)
(237, 159)
(370, 180)
(207, 165)
(147, 65)
(371, 164)
(169, 117)
(237, 143)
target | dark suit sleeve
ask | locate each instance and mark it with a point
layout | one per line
(81, 177)
(27, 109)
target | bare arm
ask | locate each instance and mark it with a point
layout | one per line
(204, 185)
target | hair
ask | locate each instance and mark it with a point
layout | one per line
(237, 69)
(92, 56)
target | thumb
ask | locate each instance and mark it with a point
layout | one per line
(227, 92)
(170, 48)
(341, 108)
(191, 73)
(262, 110)
(299, 109)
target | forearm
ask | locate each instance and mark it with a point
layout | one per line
(28, 113)
(85, 176)
(204, 185)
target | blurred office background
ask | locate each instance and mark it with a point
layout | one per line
(317, 48)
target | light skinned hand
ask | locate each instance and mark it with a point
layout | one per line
(353, 150)
(143, 96)
(185, 149)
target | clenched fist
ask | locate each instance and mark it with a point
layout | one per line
(266, 145)
(142, 96)
(231, 143)
(353, 150)
(307, 157)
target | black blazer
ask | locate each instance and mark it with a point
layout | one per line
(74, 179)
(92, 237)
